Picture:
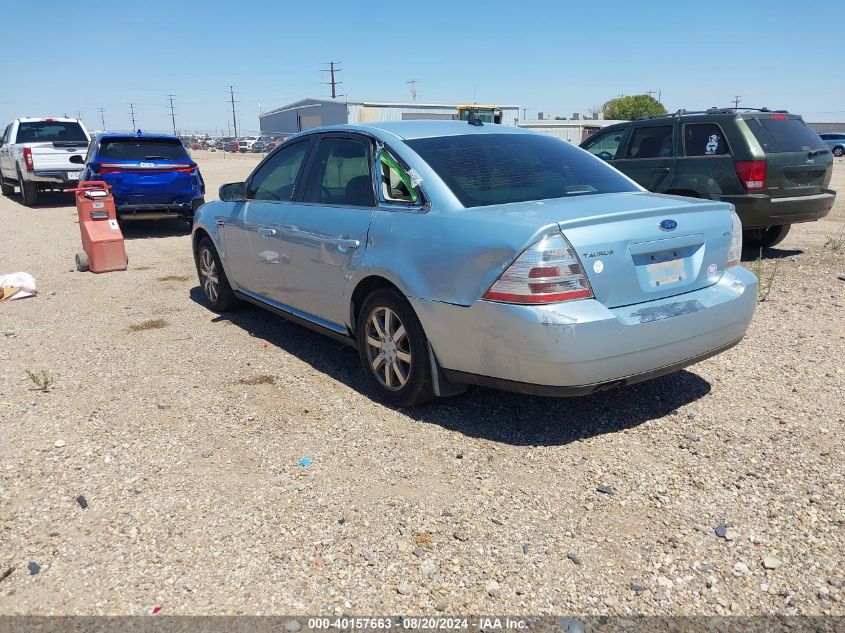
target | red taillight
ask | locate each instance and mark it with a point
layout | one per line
(548, 271)
(780, 117)
(110, 170)
(752, 174)
(27, 158)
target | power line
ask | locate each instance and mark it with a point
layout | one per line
(234, 118)
(332, 69)
(132, 114)
(102, 118)
(413, 83)
(172, 114)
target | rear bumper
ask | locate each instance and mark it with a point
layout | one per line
(760, 210)
(155, 211)
(54, 176)
(582, 346)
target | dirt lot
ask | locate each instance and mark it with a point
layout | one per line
(184, 432)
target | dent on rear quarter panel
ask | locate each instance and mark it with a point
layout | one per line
(448, 256)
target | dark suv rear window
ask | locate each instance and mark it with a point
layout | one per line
(142, 149)
(783, 134)
(49, 131)
(486, 169)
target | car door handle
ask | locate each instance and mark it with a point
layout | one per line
(345, 242)
(267, 233)
(661, 170)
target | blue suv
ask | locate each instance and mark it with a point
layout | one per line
(151, 175)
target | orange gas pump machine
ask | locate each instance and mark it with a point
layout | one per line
(102, 240)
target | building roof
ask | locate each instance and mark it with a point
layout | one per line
(373, 104)
(414, 129)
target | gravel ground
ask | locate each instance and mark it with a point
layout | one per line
(716, 490)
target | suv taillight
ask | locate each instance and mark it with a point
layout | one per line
(752, 174)
(27, 158)
(548, 271)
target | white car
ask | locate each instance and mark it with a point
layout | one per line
(35, 155)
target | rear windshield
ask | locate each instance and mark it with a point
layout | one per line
(49, 131)
(486, 169)
(142, 149)
(777, 134)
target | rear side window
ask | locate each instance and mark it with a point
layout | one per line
(487, 169)
(49, 131)
(651, 142)
(139, 149)
(779, 133)
(340, 174)
(704, 139)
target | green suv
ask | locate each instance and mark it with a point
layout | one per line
(769, 164)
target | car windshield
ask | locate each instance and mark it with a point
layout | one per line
(487, 169)
(142, 149)
(782, 134)
(49, 131)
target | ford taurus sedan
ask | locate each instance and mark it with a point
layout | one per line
(453, 253)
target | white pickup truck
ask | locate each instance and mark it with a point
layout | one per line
(35, 156)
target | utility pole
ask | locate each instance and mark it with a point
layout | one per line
(524, 113)
(413, 84)
(333, 69)
(172, 114)
(234, 119)
(737, 99)
(132, 114)
(79, 115)
(657, 92)
(102, 118)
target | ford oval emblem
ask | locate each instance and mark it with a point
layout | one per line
(668, 225)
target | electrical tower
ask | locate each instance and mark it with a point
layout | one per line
(234, 118)
(657, 92)
(102, 118)
(413, 84)
(132, 114)
(737, 99)
(332, 69)
(172, 114)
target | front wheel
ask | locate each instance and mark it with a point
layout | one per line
(755, 239)
(394, 349)
(215, 284)
(838, 152)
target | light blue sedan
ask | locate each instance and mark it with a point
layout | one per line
(452, 253)
(835, 141)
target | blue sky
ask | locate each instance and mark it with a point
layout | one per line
(557, 57)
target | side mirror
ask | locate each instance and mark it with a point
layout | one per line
(76, 159)
(233, 192)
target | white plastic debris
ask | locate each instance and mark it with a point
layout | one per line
(17, 286)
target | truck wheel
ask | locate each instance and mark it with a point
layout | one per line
(29, 194)
(6, 189)
(82, 262)
(755, 239)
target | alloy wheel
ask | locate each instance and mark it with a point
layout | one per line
(388, 348)
(208, 272)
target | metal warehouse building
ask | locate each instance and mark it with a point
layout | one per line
(309, 113)
(572, 130)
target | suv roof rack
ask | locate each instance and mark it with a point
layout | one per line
(713, 110)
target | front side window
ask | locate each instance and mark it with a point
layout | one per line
(605, 145)
(651, 142)
(704, 139)
(276, 178)
(340, 174)
(487, 169)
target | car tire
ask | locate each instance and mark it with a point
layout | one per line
(396, 366)
(6, 189)
(838, 151)
(755, 239)
(29, 194)
(213, 281)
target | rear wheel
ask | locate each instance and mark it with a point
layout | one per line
(755, 239)
(213, 279)
(394, 349)
(82, 262)
(29, 194)
(838, 151)
(6, 189)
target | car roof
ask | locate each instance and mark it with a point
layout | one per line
(168, 137)
(409, 130)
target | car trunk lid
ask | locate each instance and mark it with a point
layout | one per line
(798, 163)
